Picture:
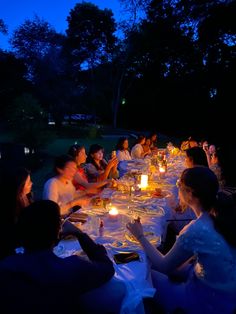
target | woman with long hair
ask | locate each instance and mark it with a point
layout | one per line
(80, 180)
(209, 241)
(122, 149)
(15, 193)
(97, 168)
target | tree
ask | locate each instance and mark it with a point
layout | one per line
(3, 27)
(12, 79)
(29, 119)
(90, 34)
(32, 40)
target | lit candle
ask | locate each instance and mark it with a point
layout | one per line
(113, 214)
(162, 171)
(144, 182)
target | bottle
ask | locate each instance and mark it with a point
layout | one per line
(101, 228)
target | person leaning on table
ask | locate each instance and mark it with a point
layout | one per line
(210, 241)
(38, 281)
(60, 188)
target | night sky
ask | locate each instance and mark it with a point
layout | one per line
(14, 12)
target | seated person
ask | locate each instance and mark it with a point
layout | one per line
(60, 188)
(122, 149)
(147, 146)
(182, 214)
(195, 156)
(15, 193)
(97, 168)
(80, 179)
(153, 141)
(209, 241)
(188, 144)
(38, 281)
(137, 151)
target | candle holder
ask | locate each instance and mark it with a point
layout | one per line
(143, 182)
(162, 172)
(113, 214)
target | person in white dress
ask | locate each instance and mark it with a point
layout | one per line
(209, 241)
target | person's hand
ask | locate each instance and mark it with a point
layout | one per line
(113, 162)
(135, 228)
(68, 228)
(83, 201)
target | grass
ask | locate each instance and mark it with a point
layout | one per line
(59, 144)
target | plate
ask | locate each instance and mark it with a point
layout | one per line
(150, 210)
(119, 244)
(148, 234)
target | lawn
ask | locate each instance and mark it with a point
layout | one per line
(60, 144)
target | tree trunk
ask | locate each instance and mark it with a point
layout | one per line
(116, 100)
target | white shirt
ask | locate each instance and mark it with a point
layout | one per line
(137, 151)
(59, 192)
(123, 155)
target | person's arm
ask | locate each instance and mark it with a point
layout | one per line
(111, 168)
(89, 185)
(95, 272)
(93, 250)
(66, 208)
(51, 192)
(162, 263)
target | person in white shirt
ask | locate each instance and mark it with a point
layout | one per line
(137, 151)
(122, 149)
(60, 188)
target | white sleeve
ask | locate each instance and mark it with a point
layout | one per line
(137, 151)
(50, 191)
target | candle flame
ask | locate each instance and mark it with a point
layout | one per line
(144, 181)
(113, 211)
(162, 169)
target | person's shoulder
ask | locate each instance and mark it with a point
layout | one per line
(50, 182)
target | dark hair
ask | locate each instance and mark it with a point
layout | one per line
(197, 155)
(226, 159)
(151, 134)
(139, 139)
(39, 225)
(94, 148)
(204, 185)
(61, 161)
(12, 182)
(225, 216)
(120, 143)
(74, 150)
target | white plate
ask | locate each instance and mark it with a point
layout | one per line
(149, 235)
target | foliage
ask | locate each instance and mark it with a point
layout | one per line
(12, 81)
(33, 38)
(3, 27)
(27, 117)
(90, 34)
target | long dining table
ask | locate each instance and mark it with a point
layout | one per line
(110, 230)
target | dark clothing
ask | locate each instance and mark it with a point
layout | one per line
(41, 282)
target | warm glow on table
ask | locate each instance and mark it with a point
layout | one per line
(144, 181)
(113, 211)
